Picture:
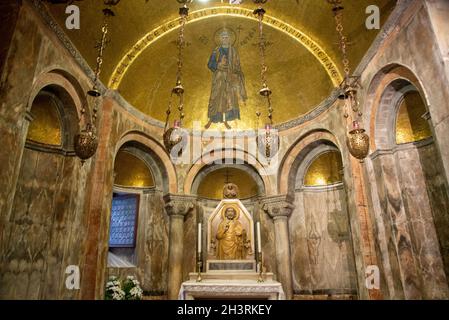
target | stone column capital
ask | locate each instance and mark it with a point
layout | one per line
(179, 205)
(278, 206)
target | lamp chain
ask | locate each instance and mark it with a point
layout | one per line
(265, 91)
(179, 89)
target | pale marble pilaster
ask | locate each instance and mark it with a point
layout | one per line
(177, 207)
(279, 208)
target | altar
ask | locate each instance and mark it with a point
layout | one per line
(231, 266)
(231, 289)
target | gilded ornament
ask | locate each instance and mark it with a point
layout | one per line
(358, 143)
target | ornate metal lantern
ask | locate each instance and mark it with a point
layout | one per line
(86, 143)
(358, 142)
(174, 136)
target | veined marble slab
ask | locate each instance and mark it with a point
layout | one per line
(231, 289)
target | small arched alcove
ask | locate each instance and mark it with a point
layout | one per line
(138, 228)
(208, 184)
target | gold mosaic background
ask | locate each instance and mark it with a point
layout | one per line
(212, 185)
(294, 94)
(46, 126)
(325, 170)
(131, 171)
(410, 125)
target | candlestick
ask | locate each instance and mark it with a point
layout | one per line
(199, 264)
(259, 237)
(260, 278)
(199, 238)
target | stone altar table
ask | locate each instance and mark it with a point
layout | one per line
(231, 289)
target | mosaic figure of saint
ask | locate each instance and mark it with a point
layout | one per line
(228, 82)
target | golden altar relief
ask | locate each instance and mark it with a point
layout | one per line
(230, 232)
(232, 238)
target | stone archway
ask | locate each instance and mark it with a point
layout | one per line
(240, 155)
(292, 159)
(408, 191)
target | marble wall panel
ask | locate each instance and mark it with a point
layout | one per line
(322, 252)
(392, 205)
(417, 192)
(39, 242)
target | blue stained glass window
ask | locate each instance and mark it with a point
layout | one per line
(122, 231)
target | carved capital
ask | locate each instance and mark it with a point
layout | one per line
(278, 207)
(179, 205)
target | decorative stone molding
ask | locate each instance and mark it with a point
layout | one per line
(278, 206)
(179, 205)
(402, 147)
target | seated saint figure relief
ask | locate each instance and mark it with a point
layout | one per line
(231, 237)
(230, 191)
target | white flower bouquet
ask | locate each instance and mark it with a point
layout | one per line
(132, 289)
(114, 289)
(129, 289)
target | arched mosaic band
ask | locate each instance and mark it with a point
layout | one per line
(127, 60)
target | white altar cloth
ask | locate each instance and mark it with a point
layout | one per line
(231, 289)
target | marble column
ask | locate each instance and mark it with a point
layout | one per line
(279, 208)
(177, 207)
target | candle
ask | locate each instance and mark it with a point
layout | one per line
(199, 237)
(259, 241)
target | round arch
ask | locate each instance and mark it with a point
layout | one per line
(67, 91)
(162, 159)
(295, 155)
(248, 169)
(386, 88)
(239, 154)
(63, 80)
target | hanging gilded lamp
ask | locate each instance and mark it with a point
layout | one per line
(86, 141)
(175, 135)
(357, 140)
(267, 142)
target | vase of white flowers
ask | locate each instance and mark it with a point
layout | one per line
(129, 289)
(132, 289)
(114, 289)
